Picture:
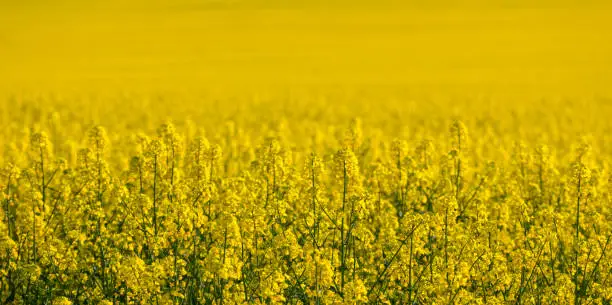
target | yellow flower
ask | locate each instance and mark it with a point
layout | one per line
(61, 301)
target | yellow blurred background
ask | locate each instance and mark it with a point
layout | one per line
(561, 47)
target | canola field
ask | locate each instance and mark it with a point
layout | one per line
(270, 152)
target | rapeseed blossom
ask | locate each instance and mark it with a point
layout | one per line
(181, 215)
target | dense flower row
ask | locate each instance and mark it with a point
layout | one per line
(185, 221)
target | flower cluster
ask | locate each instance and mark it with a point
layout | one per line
(194, 217)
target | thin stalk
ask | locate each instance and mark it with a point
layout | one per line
(315, 227)
(410, 269)
(577, 239)
(7, 207)
(342, 248)
(155, 194)
(42, 171)
(446, 246)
